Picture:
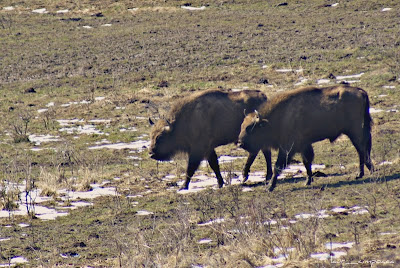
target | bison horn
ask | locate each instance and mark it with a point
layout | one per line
(257, 116)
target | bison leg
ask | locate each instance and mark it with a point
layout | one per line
(368, 161)
(267, 155)
(213, 162)
(361, 150)
(249, 162)
(308, 156)
(193, 164)
(281, 163)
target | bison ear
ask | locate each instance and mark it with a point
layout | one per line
(263, 122)
(151, 122)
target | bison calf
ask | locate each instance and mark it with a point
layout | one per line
(292, 121)
(197, 124)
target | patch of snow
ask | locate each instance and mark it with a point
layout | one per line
(386, 9)
(23, 225)
(343, 77)
(40, 11)
(304, 216)
(228, 158)
(278, 250)
(339, 209)
(97, 191)
(143, 213)
(8, 8)
(280, 258)
(106, 25)
(99, 98)
(87, 27)
(388, 233)
(38, 139)
(42, 110)
(85, 129)
(326, 256)
(98, 121)
(204, 241)
(79, 204)
(136, 145)
(386, 163)
(193, 8)
(141, 118)
(247, 189)
(351, 81)
(46, 213)
(17, 260)
(50, 104)
(360, 211)
(335, 5)
(323, 81)
(67, 122)
(322, 214)
(62, 11)
(220, 220)
(5, 239)
(339, 245)
(128, 129)
(389, 87)
(288, 70)
(374, 110)
(301, 82)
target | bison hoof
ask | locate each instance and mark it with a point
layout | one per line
(359, 176)
(271, 188)
(185, 187)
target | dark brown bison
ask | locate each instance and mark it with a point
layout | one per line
(197, 124)
(292, 121)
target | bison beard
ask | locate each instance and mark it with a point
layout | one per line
(292, 121)
(197, 124)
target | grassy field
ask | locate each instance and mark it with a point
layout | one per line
(79, 74)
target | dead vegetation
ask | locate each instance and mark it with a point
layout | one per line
(135, 67)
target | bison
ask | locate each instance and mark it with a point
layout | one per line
(199, 123)
(292, 121)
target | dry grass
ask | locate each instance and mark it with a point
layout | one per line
(143, 62)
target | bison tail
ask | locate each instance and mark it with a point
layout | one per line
(367, 130)
(367, 117)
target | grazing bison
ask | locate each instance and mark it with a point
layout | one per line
(292, 121)
(197, 124)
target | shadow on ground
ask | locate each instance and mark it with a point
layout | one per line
(349, 181)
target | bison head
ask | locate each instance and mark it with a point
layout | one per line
(161, 137)
(251, 133)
